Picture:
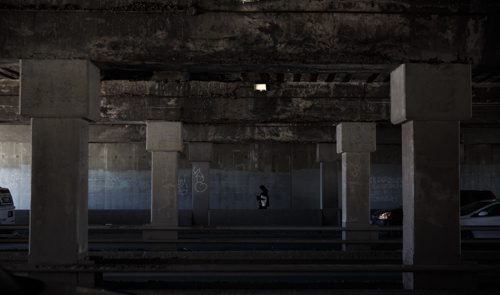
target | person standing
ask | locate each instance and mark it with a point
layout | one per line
(263, 197)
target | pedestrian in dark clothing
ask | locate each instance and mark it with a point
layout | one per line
(263, 198)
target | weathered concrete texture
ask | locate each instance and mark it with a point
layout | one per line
(15, 133)
(244, 133)
(130, 109)
(329, 185)
(330, 178)
(9, 100)
(481, 168)
(164, 136)
(164, 140)
(119, 176)
(174, 6)
(326, 152)
(355, 141)
(219, 133)
(385, 177)
(225, 37)
(431, 92)
(120, 133)
(200, 151)
(202, 102)
(221, 102)
(58, 225)
(288, 171)
(164, 188)
(236, 189)
(184, 188)
(304, 177)
(431, 230)
(478, 135)
(200, 154)
(119, 173)
(15, 171)
(205, 102)
(201, 192)
(430, 100)
(59, 88)
(305, 188)
(356, 137)
(355, 193)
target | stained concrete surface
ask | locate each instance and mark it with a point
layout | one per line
(119, 175)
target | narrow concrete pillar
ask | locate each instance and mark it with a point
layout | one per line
(355, 141)
(164, 188)
(59, 95)
(328, 160)
(164, 141)
(429, 100)
(200, 154)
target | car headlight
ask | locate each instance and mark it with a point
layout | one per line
(384, 216)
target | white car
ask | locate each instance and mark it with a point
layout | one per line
(7, 213)
(482, 213)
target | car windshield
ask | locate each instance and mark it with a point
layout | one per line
(468, 209)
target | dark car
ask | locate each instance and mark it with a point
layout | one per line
(471, 196)
(394, 216)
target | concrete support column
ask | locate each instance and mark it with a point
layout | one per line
(164, 141)
(164, 188)
(59, 186)
(58, 95)
(355, 141)
(328, 160)
(200, 154)
(429, 100)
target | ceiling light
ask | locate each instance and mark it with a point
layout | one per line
(260, 87)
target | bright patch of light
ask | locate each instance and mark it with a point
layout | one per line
(384, 216)
(260, 87)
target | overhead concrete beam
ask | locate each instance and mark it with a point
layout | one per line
(218, 102)
(15, 133)
(164, 136)
(430, 92)
(219, 36)
(229, 133)
(64, 89)
(175, 6)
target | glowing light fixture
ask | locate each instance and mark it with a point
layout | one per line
(260, 87)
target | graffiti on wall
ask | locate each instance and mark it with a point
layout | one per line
(200, 185)
(182, 187)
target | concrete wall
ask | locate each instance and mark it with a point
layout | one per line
(15, 171)
(289, 171)
(385, 181)
(119, 176)
(481, 167)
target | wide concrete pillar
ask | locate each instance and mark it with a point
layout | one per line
(355, 141)
(328, 159)
(200, 154)
(60, 96)
(164, 141)
(429, 100)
